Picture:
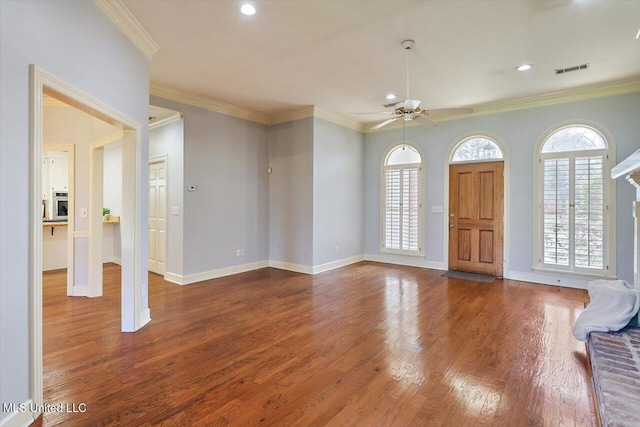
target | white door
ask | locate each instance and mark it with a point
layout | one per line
(157, 216)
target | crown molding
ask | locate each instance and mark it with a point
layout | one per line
(162, 122)
(291, 115)
(118, 13)
(571, 95)
(189, 98)
(338, 119)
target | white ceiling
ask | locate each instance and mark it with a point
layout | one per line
(345, 56)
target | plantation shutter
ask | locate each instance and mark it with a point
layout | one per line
(589, 212)
(556, 211)
(410, 205)
(574, 212)
(393, 208)
(402, 208)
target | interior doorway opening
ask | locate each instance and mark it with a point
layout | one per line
(133, 315)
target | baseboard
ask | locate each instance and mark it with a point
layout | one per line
(116, 260)
(214, 274)
(337, 264)
(409, 261)
(81, 291)
(20, 416)
(544, 279)
(145, 317)
(298, 268)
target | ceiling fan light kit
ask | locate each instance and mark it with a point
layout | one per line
(409, 109)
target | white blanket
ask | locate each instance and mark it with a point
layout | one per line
(613, 304)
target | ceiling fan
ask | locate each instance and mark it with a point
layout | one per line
(409, 109)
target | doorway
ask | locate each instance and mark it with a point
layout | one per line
(157, 215)
(476, 203)
(134, 313)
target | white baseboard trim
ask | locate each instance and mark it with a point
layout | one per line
(298, 268)
(544, 279)
(409, 261)
(337, 264)
(21, 416)
(145, 317)
(116, 260)
(214, 274)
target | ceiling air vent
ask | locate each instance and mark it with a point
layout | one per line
(574, 68)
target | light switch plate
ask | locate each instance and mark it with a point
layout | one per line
(175, 210)
(83, 212)
(437, 209)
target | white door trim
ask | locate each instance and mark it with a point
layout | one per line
(43, 82)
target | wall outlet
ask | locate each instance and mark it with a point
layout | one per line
(83, 212)
(240, 252)
(337, 248)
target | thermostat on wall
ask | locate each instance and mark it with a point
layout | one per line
(192, 188)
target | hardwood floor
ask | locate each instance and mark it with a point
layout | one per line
(368, 344)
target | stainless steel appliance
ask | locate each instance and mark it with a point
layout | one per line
(60, 206)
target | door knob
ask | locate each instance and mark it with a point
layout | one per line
(452, 225)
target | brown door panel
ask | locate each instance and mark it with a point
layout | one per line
(476, 217)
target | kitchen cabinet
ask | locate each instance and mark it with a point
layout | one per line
(55, 175)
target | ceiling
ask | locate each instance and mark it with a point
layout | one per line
(345, 56)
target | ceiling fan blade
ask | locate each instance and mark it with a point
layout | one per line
(425, 121)
(456, 110)
(386, 122)
(393, 104)
(412, 104)
(378, 112)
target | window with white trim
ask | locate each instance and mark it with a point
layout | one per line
(402, 201)
(476, 148)
(573, 200)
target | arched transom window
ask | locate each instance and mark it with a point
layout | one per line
(402, 200)
(573, 200)
(476, 148)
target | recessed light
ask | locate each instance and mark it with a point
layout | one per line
(524, 67)
(391, 96)
(248, 9)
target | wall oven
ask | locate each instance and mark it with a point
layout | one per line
(60, 205)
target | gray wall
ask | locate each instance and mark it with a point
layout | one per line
(226, 158)
(338, 192)
(76, 42)
(169, 140)
(520, 130)
(291, 192)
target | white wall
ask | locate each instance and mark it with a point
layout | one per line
(169, 140)
(226, 158)
(338, 192)
(520, 131)
(76, 42)
(291, 192)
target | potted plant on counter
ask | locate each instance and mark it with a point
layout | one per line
(106, 214)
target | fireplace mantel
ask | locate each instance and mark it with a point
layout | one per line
(629, 168)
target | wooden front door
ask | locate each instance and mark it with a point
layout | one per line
(476, 217)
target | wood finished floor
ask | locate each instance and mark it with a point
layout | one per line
(369, 344)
